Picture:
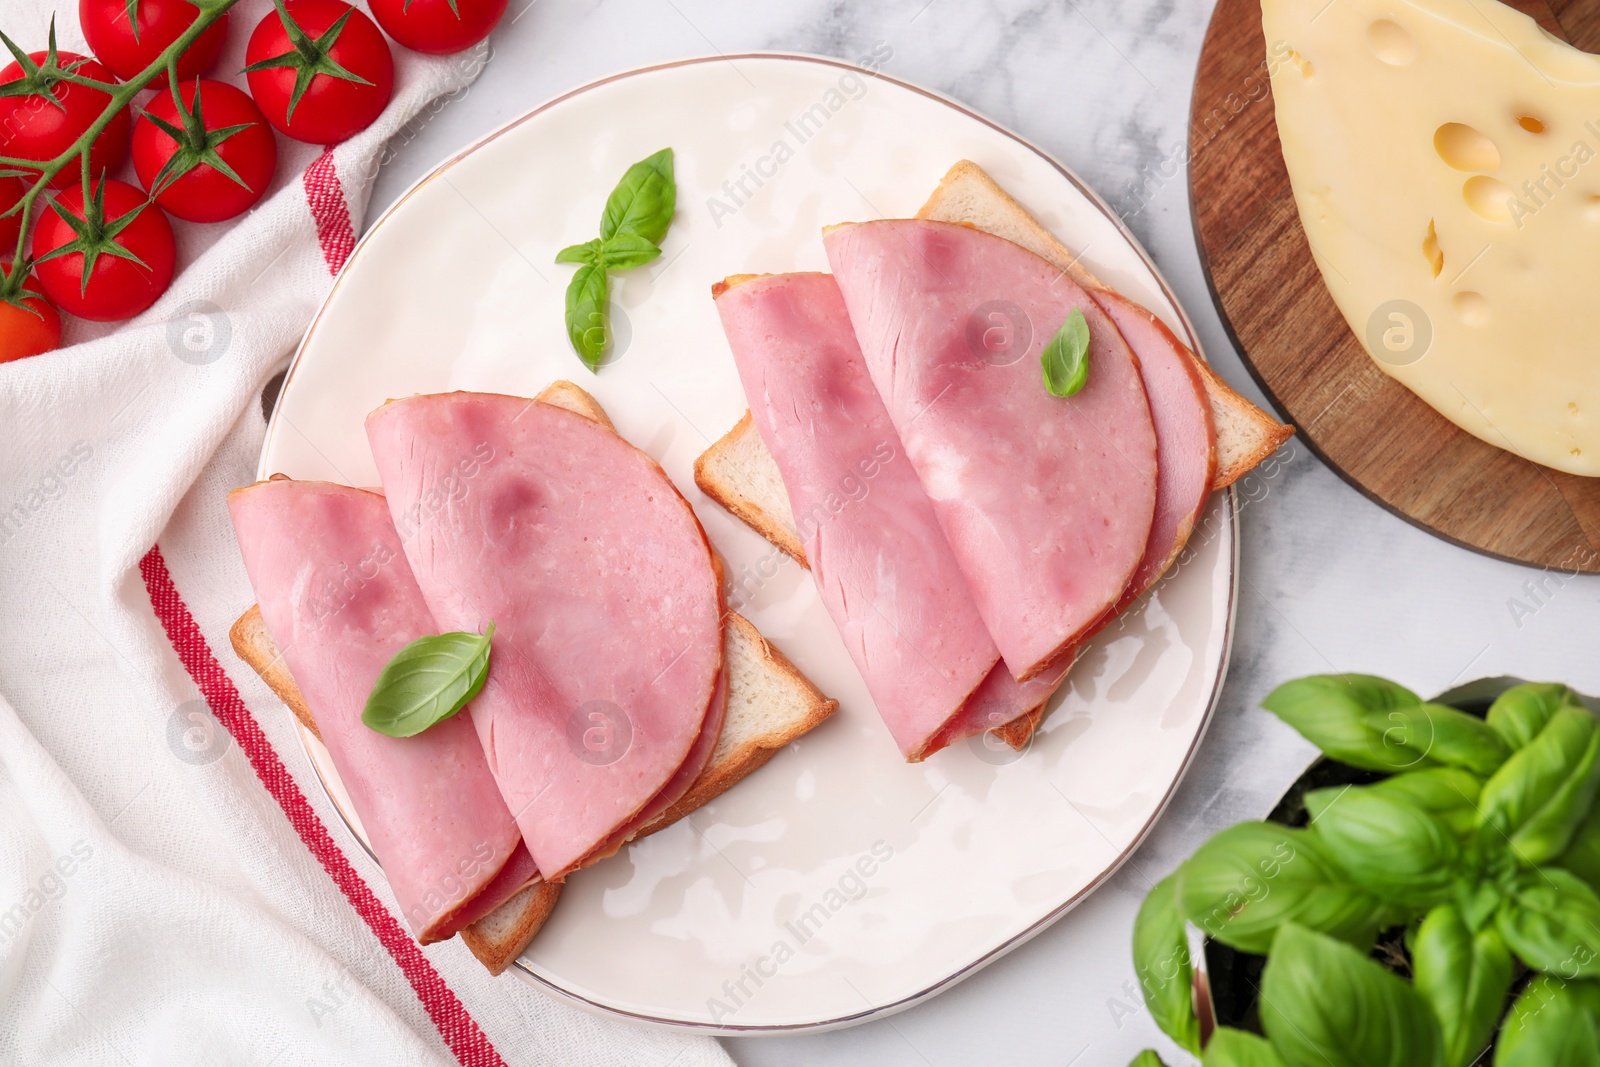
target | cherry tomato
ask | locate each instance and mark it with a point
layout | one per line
(332, 108)
(438, 27)
(118, 288)
(204, 193)
(11, 193)
(33, 126)
(127, 50)
(28, 330)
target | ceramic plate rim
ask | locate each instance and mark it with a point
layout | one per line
(521, 969)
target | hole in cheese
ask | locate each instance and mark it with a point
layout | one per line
(1591, 207)
(1471, 308)
(1489, 197)
(1306, 69)
(1464, 148)
(1531, 124)
(1391, 43)
(1431, 249)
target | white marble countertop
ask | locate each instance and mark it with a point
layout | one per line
(1328, 581)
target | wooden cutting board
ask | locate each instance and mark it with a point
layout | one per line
(1376, 434)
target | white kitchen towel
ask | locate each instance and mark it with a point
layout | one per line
(175, 888)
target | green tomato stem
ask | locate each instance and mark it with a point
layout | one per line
(122, 94)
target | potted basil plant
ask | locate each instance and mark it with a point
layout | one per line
(1438, 907)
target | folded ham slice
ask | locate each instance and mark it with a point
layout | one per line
(601, 585)
(339, 601)
(1186, 439)
(1047, 502)
(880, 560)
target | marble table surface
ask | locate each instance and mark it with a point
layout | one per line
(1329, 581)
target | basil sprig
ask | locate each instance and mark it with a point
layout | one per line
(1482, 843)
(1066, 357)
(632, 228)
(428, 681)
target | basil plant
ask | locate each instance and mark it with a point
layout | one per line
(1447, 904)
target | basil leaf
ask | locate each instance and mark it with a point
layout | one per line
(1066, 357)
(626, 251)
(1464, 977)
(1250, 879)
(1325, 1004)
(588, 252)
(1521, 712)
(1552, 922)
(1582, 855)
(1546, 790)
(588, 324)
(426, 682)
(643, 202)
(1449, 794)
(1391, 848)
(1376, 725)
(1166, 974)
(1147, 1058)
(1239, 1048)
(1552, 1022)
(1345, 716)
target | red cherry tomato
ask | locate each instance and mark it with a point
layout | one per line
(11, 193)
(332, 108)
(118, 288)
(204, 193)
(29, 330)
(34, 127)
(127, 51)
(434, 26)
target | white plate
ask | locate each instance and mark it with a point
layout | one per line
(701, 925)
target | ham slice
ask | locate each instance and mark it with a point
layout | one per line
(874, 547)
(1047, 502)
(339, 601)
(603, 591)
(1186, 439)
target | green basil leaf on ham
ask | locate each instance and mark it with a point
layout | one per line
(428, 681)
(1066, 357)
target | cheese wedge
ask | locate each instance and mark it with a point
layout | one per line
(1445, 158)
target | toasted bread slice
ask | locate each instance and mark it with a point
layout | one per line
(1246, 435)
(499, 937)
(740, 474)
(770, 704)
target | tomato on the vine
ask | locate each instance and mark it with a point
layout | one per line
(42, 116)
(438, 27)
(29, 325)
(208, 158)
(107, 259)
(319, 69)
(11, 193)
(129, 35)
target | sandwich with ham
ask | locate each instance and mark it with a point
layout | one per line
(1057, 513)
(621, 695)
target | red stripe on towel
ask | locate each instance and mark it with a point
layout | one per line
(458, 1028)
(329, 211)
